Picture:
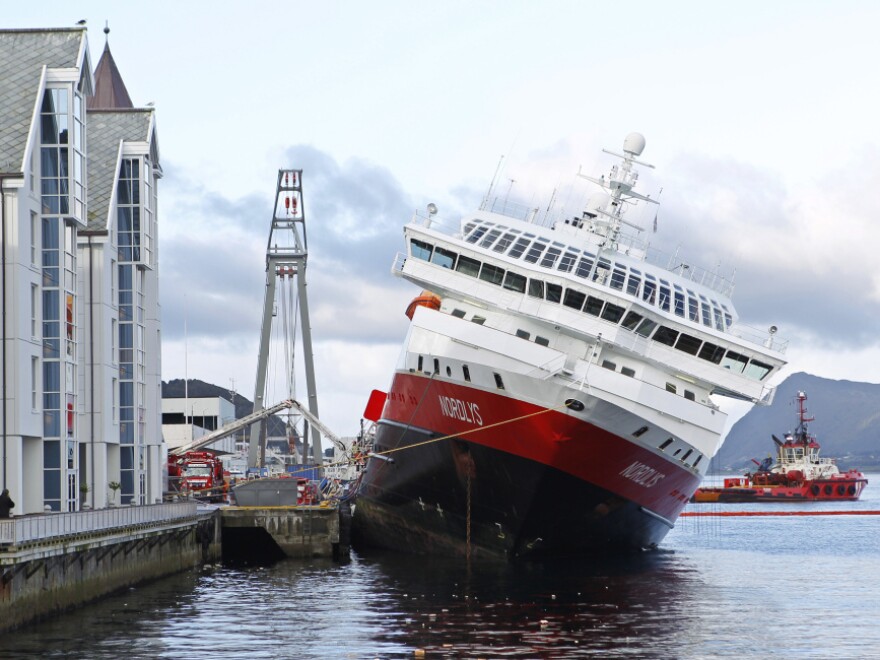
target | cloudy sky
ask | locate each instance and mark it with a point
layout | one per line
(761, 120)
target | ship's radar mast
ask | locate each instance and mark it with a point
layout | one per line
(286, 257)
(606, 217)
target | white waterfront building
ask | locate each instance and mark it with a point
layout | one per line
(79, 167)
(185, 420)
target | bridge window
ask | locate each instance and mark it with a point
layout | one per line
(666, 335)
(504, 242)
(535, 252)
(734, 361)
(617, 277)
(693, 308)
(585, 265)
(711, 352)
(649, 292)
(477, 233)
(706, 314)
(444, 258)
(688, 344)
(550, 258)
(518, 248)
(631, 320)
(679, 304)
(612, 312)
(536, 288)
(468, 266)
(492, 274)
(757, 370)
(574, 299)
(646, 327)
(421, 250)
(633, 283)
(567, 262)
(554, 293)
(490, 238)
(593, 306)
(664, 296)
(515, 282)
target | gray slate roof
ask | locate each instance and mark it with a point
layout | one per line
(106, 130)
(23, 53)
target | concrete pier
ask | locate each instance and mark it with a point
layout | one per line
(294, 531)
(51, 562)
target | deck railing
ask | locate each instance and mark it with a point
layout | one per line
(46, 526)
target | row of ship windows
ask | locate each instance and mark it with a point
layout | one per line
(594, 306)
(566, 259)
(499, 383)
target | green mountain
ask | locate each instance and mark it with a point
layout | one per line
(846, 424)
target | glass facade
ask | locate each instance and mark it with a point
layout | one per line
(132, 359)
(62, 201)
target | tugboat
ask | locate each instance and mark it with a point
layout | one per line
(798, 474)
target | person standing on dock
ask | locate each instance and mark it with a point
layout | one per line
(6, 503)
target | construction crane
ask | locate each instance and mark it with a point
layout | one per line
(237, 425)
(286, 259)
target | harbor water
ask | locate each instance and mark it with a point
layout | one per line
(744, 587)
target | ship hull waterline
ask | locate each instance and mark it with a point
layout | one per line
(547, 484)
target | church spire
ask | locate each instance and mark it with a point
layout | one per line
(110, 92)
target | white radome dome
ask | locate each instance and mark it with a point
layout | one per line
(634, 144)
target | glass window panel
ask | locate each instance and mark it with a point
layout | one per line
(492, 274)
(593, 306)
(688, 344)
(536, 288)
(444, 258)
(631, 320)
(567, 262)
(585, 265)
(535, 252)
(574, 299)
(554, 293)
(711, 352)
(617, 278)
(515, 282)
(490, 238)
(646, 327)
(550, 258)
(503, 243)
(518, 248)
(612, 312)
(468, 266)
(666, 335)
(734, 361)
(757, 370)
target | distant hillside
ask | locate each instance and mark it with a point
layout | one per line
(847, 423)
(175, 389)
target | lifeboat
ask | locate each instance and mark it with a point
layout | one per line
(424, 299)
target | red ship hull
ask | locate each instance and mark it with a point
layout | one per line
(465, 478)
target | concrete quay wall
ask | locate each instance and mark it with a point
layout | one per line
(52, 562)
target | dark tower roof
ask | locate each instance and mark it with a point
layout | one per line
(110, 92)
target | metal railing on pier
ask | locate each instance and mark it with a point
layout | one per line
(49, 526)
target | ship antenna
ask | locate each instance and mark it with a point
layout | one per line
(492, 184)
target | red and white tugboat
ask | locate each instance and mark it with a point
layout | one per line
(798, 474)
